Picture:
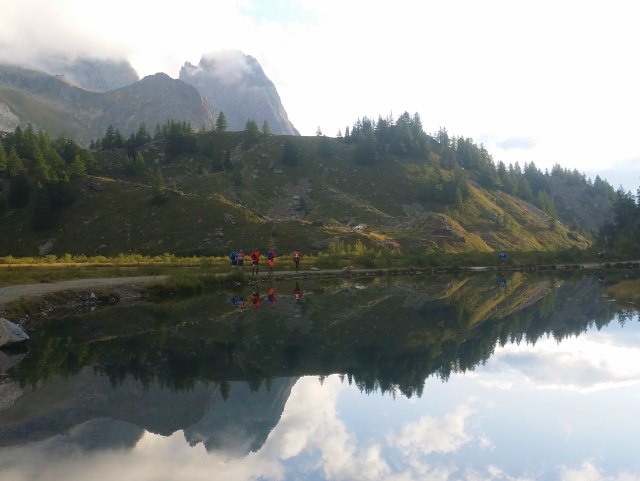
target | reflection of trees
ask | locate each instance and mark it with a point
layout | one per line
(390, 336)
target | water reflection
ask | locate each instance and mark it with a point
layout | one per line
(177, 389)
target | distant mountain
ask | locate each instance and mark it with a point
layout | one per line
(241, 424)
(97, 75)
(53, 104)
(235, 84)
(94, 414)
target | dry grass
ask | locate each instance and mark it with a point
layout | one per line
(626, 291)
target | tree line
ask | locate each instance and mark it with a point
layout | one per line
(621, 234)
(469, 161)
(38, 171)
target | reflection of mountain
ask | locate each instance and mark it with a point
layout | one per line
(388, 333)
(63, 403)
(242, 423)
(94, 414)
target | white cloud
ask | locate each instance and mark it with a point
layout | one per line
(591, 362)
(431, 435)
(588, 471)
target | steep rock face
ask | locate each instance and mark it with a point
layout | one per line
(64, 403)
(235, 84)
(51, 103)
(156, 99)
(97, 75)
(242, 423)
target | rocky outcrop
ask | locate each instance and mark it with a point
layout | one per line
(235, 84)
(11, 333)
(53, 104)
(156, 99)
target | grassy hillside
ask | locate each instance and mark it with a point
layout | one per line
(225, 192)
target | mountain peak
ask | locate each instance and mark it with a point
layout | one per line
(235, 83)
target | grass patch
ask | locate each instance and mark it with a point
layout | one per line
(626, 291)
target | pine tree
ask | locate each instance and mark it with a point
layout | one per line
(266, 130)
(158, 187)
(3, 161)
(221, 123)
(251, 132)
(15, 166)
(78, 167)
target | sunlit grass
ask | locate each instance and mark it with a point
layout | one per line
(626, 291)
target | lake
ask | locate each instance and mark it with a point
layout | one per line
(511, 377)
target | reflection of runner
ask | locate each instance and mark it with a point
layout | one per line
(502, 280)
(271, 297)
(255, 299)
(238, 302)
(297, 293)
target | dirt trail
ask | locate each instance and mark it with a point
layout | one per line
(11, 293)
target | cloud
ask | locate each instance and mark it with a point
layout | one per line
(320, 430)
(593, 361)
(588, 471)
(430, 435)
(227, 66)
(31, 30)
(521, 143)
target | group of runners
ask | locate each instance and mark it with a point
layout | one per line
(237, 258)
(255, 300)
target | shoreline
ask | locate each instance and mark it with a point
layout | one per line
(15, 292)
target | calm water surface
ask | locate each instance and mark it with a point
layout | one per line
(458, 378)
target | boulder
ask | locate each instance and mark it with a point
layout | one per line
(11, 333)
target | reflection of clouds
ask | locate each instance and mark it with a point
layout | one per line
(492, 473)
(589, 472)
(429, 435)
(311, 441)
(590, 362)
(311, 423)
(155, 458)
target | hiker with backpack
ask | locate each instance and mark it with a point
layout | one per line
(240, 258)
(255, 262)
(297, 255)
(271, 259)
(233, 257)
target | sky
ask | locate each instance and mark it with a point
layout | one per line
(534, 81)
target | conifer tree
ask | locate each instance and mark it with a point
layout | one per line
(251, 132)
(78, 167)
(158, 187)
(266, 130)
(15, 166)
(221, 123)
(3, 160)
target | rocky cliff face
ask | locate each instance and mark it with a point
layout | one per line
(155, 99)
(235, 84)
(53, 104)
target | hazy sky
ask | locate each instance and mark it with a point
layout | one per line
(543, 81)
